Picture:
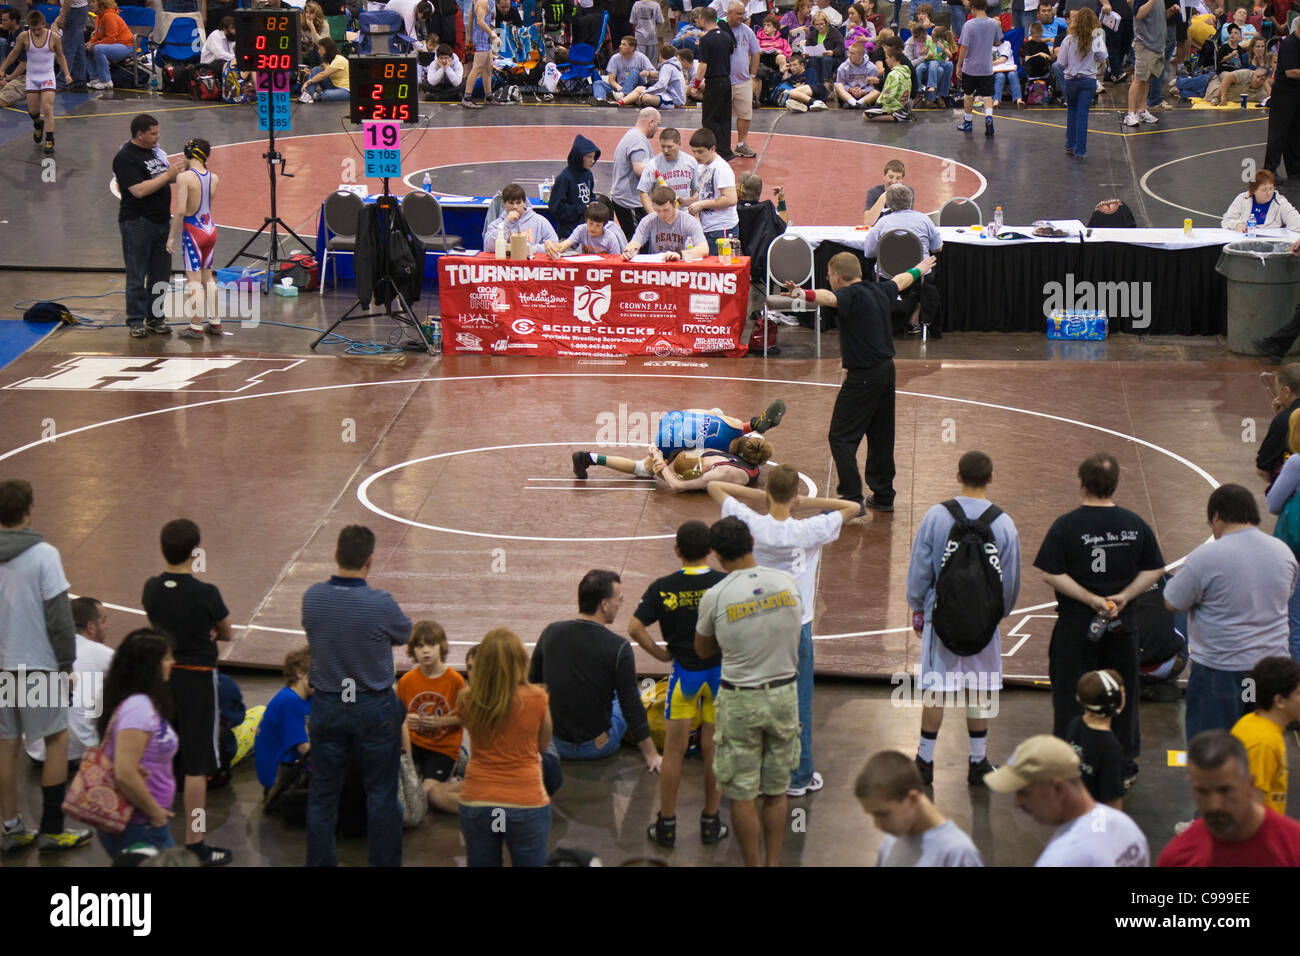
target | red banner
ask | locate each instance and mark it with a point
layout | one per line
(597, 307)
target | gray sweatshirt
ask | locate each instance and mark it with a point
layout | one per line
(28, 566)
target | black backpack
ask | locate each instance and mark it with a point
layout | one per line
(968, 595)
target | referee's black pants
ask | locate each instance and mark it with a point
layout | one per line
(1283, 132)
(627, 219)
(865, 407)
(1071, 655)
(716, 113)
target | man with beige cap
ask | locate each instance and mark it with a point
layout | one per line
(1044, 775)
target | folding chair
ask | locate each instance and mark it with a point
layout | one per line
(381, 34)
(183, 41)
(790, 259)
(423, 214)
(960, 212)
(900, 250)
(342, 215)
(141, 21)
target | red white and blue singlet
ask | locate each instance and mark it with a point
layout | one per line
(199, 240)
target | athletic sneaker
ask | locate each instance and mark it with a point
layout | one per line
(471, 105)
(712, 829)
(49, 142)
(663, 832)
(926, 769)
(817, 105)
(17, 838)
(100, 85)
(210, 855)
(770, 418)
(306, 97)
(581, 462)
(742, 149)
(988, 126)
(38, 132)
(69, 839)
(515, 95)
(1131, 119)
(1146, 117)
(139, 332)
(158, 327)
(190, 332)
(965, 126)
(875, 504)
(212, 328)
(812, 786)
(975, 775)
(795, 106)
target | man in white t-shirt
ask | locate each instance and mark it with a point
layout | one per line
(891, 792)
(1044, 775)
(792, 545)
(92, 663)
(716, 207)
(677, 169)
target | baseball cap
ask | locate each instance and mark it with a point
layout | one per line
(1042, 757)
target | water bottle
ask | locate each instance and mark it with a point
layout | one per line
(427, 183)
(154, 85)
(997, 221)
(1250, 225)
(1102, 623)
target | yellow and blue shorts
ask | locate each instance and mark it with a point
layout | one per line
(692, 694)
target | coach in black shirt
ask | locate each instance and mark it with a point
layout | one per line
(1284, 108)
(1273, 449)
(1097, 555)
(865, 404)
(590, 673)
(144, 178)
(713, 65)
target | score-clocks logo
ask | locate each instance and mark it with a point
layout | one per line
(523, 326)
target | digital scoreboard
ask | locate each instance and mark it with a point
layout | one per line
(384, 88)
(266, 41)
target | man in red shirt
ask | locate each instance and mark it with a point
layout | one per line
(1233, 828)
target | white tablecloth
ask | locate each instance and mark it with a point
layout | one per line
(855, 237)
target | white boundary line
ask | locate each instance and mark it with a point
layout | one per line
(1142, 183)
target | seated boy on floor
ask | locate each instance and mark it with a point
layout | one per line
(444, 79)
(429, 695)
(519, 217)
(857, 80)
(892, 104)
(282, 735)
(669, 89)
(597, 236)
(798, 88)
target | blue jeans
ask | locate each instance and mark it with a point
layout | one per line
(328, 91)
(600, 89)
(587, 750)
(1024, 20)
(115, 843)
(935, 75)
(733, 234)
(74, 43)
(804, 681)
(1078, 98)
(1189, 86)
(524, 831)
(105, 53)
(370, 728)
(1000, 81)
(1293, 615)
(957, 14)
(1213, 699)
(144, 251)
(1156, 92)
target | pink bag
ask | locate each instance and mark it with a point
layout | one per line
(93, 796)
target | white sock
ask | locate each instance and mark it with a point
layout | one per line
(926, 750)
(593, 456)
(988, 111)
(966, 117)
(979, 747)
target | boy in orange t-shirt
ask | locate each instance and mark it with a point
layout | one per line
(429, 694)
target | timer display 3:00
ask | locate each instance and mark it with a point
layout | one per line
(272, 61)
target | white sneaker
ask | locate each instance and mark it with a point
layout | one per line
(305, 98)
(1146, 117)
(813, 785)
(817, 105)
(796, 106)
(1131, 119)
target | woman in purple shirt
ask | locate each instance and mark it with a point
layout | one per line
(1079, 54)
(138, 738)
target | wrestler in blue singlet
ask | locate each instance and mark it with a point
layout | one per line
(684, 430)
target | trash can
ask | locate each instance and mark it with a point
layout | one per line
(1263, 287)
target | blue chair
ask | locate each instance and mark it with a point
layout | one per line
(50, 11)
(140, 21)
(184, 40)
(381, 34)
(582, 63)
(904, 34)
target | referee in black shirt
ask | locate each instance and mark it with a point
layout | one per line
(1283, 108)
(865, 405)
(713, 65)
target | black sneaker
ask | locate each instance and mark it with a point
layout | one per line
(862, 509)
(975, 775)
(770, 418)
(663, 832)
(712, 829)
(875, 504)
(988, 126)
(926, 769)
(1130, 776)
(1267, 350)
(138, 332)
(49, 142)
(210, 855)
(190, 332)
(158, 328)
(38, 132)
(581, 462)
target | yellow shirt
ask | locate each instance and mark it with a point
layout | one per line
(1266, 750)
(339, 76)
(1200, 29)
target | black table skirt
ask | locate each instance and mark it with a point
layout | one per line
(1005, 289)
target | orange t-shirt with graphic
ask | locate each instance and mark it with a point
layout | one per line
(433, 697)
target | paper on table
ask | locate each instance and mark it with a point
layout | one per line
(650, 257)
(582, 258)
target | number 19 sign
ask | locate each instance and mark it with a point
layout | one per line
(383, 148)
